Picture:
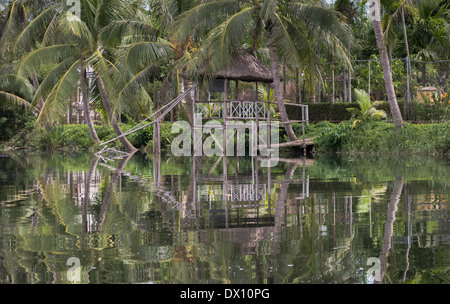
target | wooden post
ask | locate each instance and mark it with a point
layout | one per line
(300, 86)
(332, 76)
(225, 116)
(303, 130)
(268, 116)
(284, 79)
(370, 61)
(225, 189)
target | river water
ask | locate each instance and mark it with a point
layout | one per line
(74, 218)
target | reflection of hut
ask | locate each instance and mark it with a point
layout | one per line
(426, 94)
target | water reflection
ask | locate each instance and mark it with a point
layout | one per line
(215, 220)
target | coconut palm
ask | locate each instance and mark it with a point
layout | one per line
(285, 28)
(367, 110)
(26, 23)
(140, 56)
(384, 59)
(75, 48)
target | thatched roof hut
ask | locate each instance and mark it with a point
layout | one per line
(245, 67)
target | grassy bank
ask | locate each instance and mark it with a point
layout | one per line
(381, 138)
(375, 138)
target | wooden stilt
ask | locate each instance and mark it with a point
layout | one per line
(268, 117)
(225, 117)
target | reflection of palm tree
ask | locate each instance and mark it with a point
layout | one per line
(282, 197)
(389, 225)
(109, 190)
(84, 228)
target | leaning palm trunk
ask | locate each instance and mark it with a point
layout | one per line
(188, 106)
(389, 226)
(389, 84)
(107, 105)
(275, 66)
(87, 116)
(408, 65)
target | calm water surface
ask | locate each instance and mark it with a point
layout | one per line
(182, 220)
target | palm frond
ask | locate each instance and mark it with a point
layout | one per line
(35, 28)
(11, 98)
(202, 18)
(17, 84)
(228, 36)
(46, 55)
(52, 78)
(60, 96)
(142, 54)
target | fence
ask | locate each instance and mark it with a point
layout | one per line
(339, 82)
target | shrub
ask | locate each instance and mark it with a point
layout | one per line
(381, 138)
(337, 112)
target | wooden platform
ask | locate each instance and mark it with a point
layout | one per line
(297, 143)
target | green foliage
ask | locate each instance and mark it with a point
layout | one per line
(12, 121)
(380, 138)
(377, 78)
(66, 137)
(337, 112)
(366, 109)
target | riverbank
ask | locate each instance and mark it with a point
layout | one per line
(381, 138)
(372, 138)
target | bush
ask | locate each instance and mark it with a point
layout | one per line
(381, 138)
(337, 112)
(14, 122)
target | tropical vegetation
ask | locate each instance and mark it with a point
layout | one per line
(123, 59)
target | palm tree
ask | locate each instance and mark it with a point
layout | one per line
(429, 31)
(74, 48)
(367, 110)
(140, 57)
(285, 28)
(384, 59)
(17, 38)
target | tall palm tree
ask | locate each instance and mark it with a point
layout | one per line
(384, 59)
(77, 46)
(25, 25)
(140, 58)
(221, 27)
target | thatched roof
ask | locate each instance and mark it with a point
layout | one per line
(245, 67)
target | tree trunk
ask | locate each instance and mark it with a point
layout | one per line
(408, 68)
(389, 225)
(389, 84)
(112, 119)
(275, 66)
(188, 105)
(87, 116)
(350, 99)
(34, 77)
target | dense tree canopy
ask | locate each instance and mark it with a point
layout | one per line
(128, 56)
